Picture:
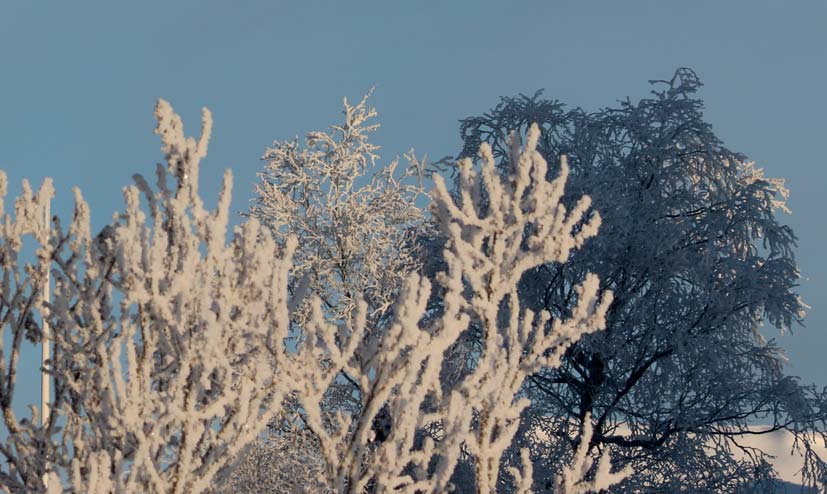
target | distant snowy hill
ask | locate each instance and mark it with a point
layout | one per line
(788, 466)
(790, 488)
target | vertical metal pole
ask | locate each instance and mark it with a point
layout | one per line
(45, 346)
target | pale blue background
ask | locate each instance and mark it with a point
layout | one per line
(78, 81)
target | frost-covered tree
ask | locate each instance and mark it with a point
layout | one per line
(355, 222)
(171, 354)
(697, 260)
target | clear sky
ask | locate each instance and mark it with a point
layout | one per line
(78, 81)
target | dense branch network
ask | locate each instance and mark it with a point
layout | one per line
(172, 354)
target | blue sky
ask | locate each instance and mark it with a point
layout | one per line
(78, 82)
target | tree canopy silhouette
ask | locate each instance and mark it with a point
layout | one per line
(697, 259)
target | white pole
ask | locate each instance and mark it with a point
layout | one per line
(45, 345)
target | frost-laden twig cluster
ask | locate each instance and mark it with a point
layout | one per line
(169, 353)
(284, 462)
(26, 445)
(165, 338)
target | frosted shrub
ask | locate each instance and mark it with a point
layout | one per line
(169, 341)
(165, 337)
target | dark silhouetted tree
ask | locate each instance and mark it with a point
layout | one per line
(697, 260)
